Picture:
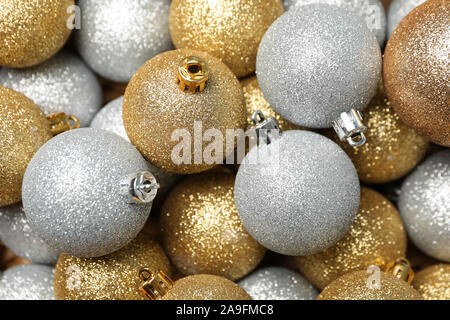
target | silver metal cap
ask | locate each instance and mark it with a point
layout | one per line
(141, 187)
(349, 126)
(266, 129)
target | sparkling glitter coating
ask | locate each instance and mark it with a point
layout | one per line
(17, 235)
(23, 130)
(424, 205)
(154, 107)
(433, 283)
(27, 282)
(317, 61)
(205, 287)
(299, 198)
(72, 193)
(275, 283)
(416, 70)
(376, 237)
(117, 37)
(201, 230)
(228, 29)
(61, 84)
(398, 9)
(353, 286)
(32, 30)
(111, 277)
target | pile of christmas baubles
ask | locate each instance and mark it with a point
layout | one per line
(224, 149)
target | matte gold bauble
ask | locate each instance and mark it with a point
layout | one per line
(201, 229)
(32, 31)
(433, 283)
(416, 70)
(228, 29)
(376, 237)
(112, 277)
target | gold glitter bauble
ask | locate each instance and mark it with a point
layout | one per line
(228, 29)
(416, 70)
(154, 107)
(205, 287)
(433, 283)
(112, 277)
(32, 31)
(355, 286)
(376, 237)
(23, 130)
(201, 229)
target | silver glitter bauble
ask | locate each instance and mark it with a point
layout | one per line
(275, 283)
(371, 11)
(317, 61)
(398, 9)
(117, 37)
(61, 84)
(17, 236)
(27, 282)
(298, 195)
(424, 205)
(72, 194)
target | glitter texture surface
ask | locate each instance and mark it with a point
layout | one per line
(433, 283)
(72, 193)
(154, 107)
(398, 9)
(32, 30)
(317, 61)
(117, 37)
(112, 277)
(228, 29)
(23, 130)
(376, 237)
(300, 197)
(416, 70)
(201, 229)
(424, 205)
(61, 84)
(275, 283)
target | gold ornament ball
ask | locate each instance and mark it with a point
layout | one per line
(415, 70)
(433, 283)
(32, 31)
(23, 130)
(154, 107)
(354, 286)
(201, 229)
(228, 29)
(376, 237)
(205, 287)
(111, 277)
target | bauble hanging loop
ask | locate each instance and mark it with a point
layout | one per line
(60, 122)
(193, 73)
(141, 188)
(349, 127)
(265, 128)
(401, 269)
(154, 285)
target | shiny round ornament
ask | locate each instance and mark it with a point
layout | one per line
(424, 205)
(297, 195)
(73, 193)
(317, 61)
(416, 70)
(433, 283)
(117, 37)
(398, 9)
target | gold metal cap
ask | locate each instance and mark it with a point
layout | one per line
(193, 74)
(60, 122)
(154, 286)
(401, 268)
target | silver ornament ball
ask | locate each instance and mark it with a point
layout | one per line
(398, 9)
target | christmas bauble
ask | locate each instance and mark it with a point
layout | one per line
(27, 282)
(117, 36)
(23, 130)
(17, 235)
(229, 30)
(73, 192)
(201, 230)
(415, 70)
(376, 237)
(275, 283)
(355, 286)
(111, 277)
(433, 283)
(398, 9)
(159, 117)
(61, 84)
(317, 61)
(424, 205)
(32, 31)
(371, 11)
(297, 195)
